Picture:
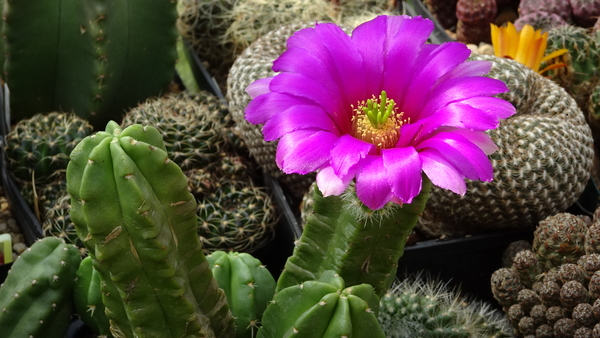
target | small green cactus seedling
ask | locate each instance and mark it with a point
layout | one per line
(248, 285)
(417, 307)
(323, 308)
(36, 297)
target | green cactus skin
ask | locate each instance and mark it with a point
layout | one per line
(359, 249)
(88, 299)
(249, 287)
(36, 297)
(132, 210)
(323, 308)
(95, 58)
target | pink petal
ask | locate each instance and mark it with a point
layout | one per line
(347, 152)
(298, 117)
(262, 108)
(403, 170)
(259, 87)
(480, 139)
(502, 109)
(372, 45)
(428, 70)
(465, 156)
(372, 186)
(462, 88)
(405, 38)
(302, 86)
(304, 151)
(468, 68)
(441, 172)
(330, 184)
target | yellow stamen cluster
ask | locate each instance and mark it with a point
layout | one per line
(377, 122)
(526, 46)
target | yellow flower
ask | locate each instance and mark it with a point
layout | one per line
(526, 46)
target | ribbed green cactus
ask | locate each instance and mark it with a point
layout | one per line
(132, 210)
(36, 297)
(323, 308)
(249, 287)
(95, 58)
(88, 298)
(361, 245)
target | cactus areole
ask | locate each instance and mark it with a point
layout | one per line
(132, 210)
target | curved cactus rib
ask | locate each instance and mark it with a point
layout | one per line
(140, 222)
(360, 251)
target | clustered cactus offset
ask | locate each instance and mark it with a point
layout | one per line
(553, 289)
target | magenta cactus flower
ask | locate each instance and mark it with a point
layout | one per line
(380, 107)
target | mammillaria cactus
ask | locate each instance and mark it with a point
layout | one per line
(559, 7)
(132, 210)
(427, 308)
(37, 149)
(36, 297)
(96, 58)
(585, 12)
(474, 18)
(248, 285)
(528, 155)
(557, 293)
(323, 308)
(540, 20)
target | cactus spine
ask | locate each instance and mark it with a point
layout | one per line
(248, 286)
(95, 58)
(133, 212)
(323, 308)
(36, 297)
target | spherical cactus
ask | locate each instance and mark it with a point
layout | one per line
(36, 297)
(248, 285)
(558, 7)
(564, 299)
(539, 20)
(474, 18)
(37, 149)
(323, 308)
(237, 216)
(582, 72)
(427, 308)
(190, 131)
(559, 239)
(585, 12)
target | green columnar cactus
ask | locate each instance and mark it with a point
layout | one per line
(88, 298)
(36, 297)
(133, 212)
(361, 245)
(248, 285)
(323, 308)
(95, 58)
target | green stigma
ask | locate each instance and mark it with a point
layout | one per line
(378, 111)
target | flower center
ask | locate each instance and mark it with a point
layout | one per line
(377, 122)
